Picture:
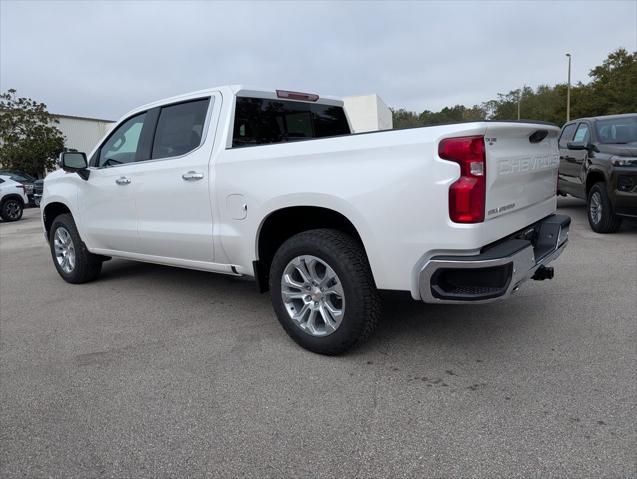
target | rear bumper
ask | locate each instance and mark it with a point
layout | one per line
(498, 271)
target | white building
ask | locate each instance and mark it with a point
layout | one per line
(81, 133)
(368, 113)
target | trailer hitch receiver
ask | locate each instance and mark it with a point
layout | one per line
(543, 272)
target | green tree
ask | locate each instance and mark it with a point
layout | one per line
(475, 113)
(407, 119)
(404, 119)
(505, 107)
(613, 88)
(29, 139)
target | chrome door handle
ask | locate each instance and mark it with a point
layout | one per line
(122, 180)
(192, 176)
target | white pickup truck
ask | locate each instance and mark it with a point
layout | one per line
(273, 185)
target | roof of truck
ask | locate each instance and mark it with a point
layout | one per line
(249, 90)
(238, 90)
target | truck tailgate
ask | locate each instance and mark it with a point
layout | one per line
(521, 164)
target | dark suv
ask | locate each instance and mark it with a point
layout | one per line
(598, 163)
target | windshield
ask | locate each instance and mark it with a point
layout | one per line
(16, 176)
(617, 131)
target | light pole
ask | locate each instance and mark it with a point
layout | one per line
(568, 90)
(520, 100)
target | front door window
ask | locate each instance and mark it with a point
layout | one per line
(122, 145)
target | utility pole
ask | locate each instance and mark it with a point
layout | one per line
(520, 100)
(568, 90)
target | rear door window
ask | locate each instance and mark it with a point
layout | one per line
(179, 128)
(260, 121)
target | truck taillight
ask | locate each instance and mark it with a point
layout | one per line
(467, 196)
(296, 95)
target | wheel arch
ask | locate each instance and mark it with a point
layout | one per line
(594, 176)
(12, 196)
(51, 211)
(283, 223)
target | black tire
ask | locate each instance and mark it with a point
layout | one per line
(607, 221)
(87, 265)
(12, 209)
(362, 302)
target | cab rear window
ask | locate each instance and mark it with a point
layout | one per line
(260, 121)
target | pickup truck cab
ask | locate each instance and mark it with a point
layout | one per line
(598, 163)
(272, 185)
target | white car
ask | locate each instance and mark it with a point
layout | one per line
(272, 185)
(13, 197)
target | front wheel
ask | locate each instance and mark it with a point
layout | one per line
(600, 210)
(323, 291)
(12, 209)
(71, 258)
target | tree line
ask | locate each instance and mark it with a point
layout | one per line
(611, 90)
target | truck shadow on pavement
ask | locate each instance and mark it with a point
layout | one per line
(405, 323)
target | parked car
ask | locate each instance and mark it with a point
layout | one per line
(598, 163)
(24, 179)
(12, 199)
(273, 185)
(38, 188)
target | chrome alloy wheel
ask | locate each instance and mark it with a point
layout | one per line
(313, 295)
(596, 207)
(64, 249)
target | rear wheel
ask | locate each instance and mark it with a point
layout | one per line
(71, 258)
(600, 211)
(11, 209)
(323, 291)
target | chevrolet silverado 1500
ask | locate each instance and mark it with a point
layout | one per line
(273, 185)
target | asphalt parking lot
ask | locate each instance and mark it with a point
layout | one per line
(160, 372)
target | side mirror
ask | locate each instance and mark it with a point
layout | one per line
(75, 162)
(577, 145)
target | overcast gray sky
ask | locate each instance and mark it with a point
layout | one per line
(103, 58)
